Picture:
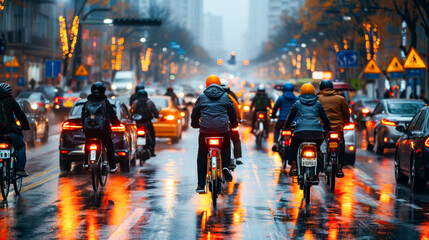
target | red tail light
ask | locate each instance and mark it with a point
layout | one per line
(18, 123)
(350, 110)
(214, 142)
(365, 110)
(4, 146)
(71, 126)
(141, 132)
(93, 147)
(286, 133)
(309, 154)
(261, 115)
(388, 123)
(120, 128)
(236, 129)
(287, 142)
(64, 151)
(427, 142)
(350, 126)
(214, 153)
(41, 104)
(334, 136)
(57, 100)
(122, 154)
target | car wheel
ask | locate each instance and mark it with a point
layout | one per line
(175, 139)
(65, 165)
(417, 183)
(33, 138)
(125, 164)
(378, 149)
(45, 135)
(400, 178)
(369, 146)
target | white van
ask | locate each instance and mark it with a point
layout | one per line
(124, 82)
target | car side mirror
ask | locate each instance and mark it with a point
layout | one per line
(400, 128)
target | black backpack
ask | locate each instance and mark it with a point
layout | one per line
(3, 118)
(96, 120)
(141, 107)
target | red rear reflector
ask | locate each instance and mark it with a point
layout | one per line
(214, 153)
(261, 115)
(214, 142)
(334, 136)
(64, 151)
(4, 145)
(71, 126)
(18, 123)
(93, 147)
(122, 153)
(350, 126)
(41, 104)
(57, 100)
(141, 132)
(120, 128)
(286, 142)
(286, 133)
(427, 142)
(388, 123)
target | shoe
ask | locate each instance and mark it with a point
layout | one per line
(200, 190)
(153, 155)
(113, 169)
(275, 148)
(21, 173)
(238, 162)
(340, 173)
(227, 174)
(232, 166)
(293, 170)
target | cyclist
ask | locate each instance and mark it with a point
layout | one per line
(338, 112)
(147, 109)
(213, 113)
(98, 91)
(284, 104)
(235, 136)
(307, 110)
(8, 109)
(260, 103)
(134, 96)
(170, 92)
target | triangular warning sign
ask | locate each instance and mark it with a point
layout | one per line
(414, 61)
(372, 67)
(395, 66)
(81, 71)
(106, 66)
(14, 63)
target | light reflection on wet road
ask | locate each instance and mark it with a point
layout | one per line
(158, 201)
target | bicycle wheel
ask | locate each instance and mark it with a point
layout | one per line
(214, 192)
(306, 189)
(332, 177)
(95, 178)
(17, 180)
(5, 179)
(102, 174)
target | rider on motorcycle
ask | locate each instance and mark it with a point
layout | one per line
(308, 128)
(235, 136)
(8, 126)
(338, 112)
(260, 103)
(213, 113)
(98, 91)
(134, 96)
(170, 92)
(284, 104)
(147, 109)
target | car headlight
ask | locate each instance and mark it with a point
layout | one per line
(114, 87)
(129, 86)
(34, 106)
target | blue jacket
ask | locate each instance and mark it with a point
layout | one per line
(308, 110)
(284, 103)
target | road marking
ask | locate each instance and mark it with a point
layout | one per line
(39, 174)
(36, 184)
(413, 206)
(127, 224)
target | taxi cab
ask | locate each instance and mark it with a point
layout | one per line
(169, 123)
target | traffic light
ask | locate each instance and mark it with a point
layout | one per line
(137, 22)
(219, 62)
(2, 46)
(231, 60)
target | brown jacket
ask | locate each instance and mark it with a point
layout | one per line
(336, 107)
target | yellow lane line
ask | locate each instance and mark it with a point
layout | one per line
(123, 229)
(39, 174)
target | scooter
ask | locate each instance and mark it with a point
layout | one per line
(307, 168)
(259, 127)
(143, 141)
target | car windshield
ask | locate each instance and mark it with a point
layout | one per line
(370, 104)
(76, 111)
(122, 80)
(404, 108)
(160, 102)
(29, 96)
(75, 95)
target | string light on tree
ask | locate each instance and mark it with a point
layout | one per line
(1, 5)
(68, 50)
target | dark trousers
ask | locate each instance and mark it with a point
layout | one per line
(235, 138)
(277, 128)
(106, 139)
(265, 121)
(203, 150)
(151, 129)
(19, 145)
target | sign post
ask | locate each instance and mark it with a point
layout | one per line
(372, 72)
(414, 66)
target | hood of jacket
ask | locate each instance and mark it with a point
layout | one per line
(96, 97)
(214, 91)
(4, 95)
(308, 99)
(289, 95)
(328, 92)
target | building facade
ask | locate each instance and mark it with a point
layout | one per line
(213, 35)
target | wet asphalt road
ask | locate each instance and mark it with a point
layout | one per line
(158, 201)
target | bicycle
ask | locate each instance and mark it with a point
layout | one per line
(96, 155)
(7, 167)
(214, 167)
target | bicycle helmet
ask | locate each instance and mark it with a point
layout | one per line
(224, 84)
(288, 87)
(307, 89)
(212, 79)
(261, 88)
(324, 84)
(139, 87)
(5, 87)
(98, 88)
(142, 93)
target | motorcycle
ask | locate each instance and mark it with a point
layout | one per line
(331, 150)
(307, 168)
(214, 167)
(284, 146)
(97, 164)
(7, 167)
(143, 141)
(259, 127)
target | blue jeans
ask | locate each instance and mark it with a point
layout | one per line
(19, 145)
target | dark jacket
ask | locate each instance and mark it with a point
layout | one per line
(257, 106)
(308, 110)
(152, 110)
(336, 108)
(284, 103)
(110, 111)
(214, 111)
(173, 97)
(12, 109)
(133, 98)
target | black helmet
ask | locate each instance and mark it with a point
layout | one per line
(98, 88)
(139, 87)
(324, 84)
(288, 87)
(5, 87)
(142, 93)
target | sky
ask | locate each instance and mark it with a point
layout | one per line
(235, 15)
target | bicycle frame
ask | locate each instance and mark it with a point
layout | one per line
(214, 166)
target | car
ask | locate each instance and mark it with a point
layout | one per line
(380, 127)
(245, 104)
(412, 151)
(124, 82)
(169, 124)
(350, 142)
(65, 102)
(361, 109)
(37, 100)
(184, 113)
(87, 90)
(72, 138)
(39, 124)
(50, 92)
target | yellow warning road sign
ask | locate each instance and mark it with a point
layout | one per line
(81, 71)
(15, 63)
(372, 67)
(414, 61)
(395, 66)
(105, 66)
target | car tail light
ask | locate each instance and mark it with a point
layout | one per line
(365, 110)
(168, 118)
(18, 123)
(236, 129)
(214, 142)
(351, 148)
(350, 110)
(4, 146)
(120, 128)
(214, 153)
(287, 142)
(261, 115)
(350, 126)
(57, 100)
(385, 139)
(182, 114)
(286, 133)
(388, 123)
(71, 126)
(246, 108)
(41, 104)
(141, 132)
(93, 147)
(122, 154)
(427, 142)
(352, 102)
(334, 136)
(239, 106)
(64, 151)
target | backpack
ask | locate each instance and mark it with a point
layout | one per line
(3, 118)
(141, 107)
(261, 102)
(96, 120)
